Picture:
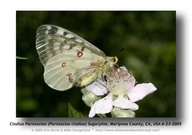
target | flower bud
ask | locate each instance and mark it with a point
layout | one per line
(89, 98)
(118, 112)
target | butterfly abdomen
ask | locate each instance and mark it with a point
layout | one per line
(88, 78)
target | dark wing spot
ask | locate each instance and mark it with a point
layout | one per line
(65, 33)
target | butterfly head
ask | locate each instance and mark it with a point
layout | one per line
(112, 61)
(115, 59)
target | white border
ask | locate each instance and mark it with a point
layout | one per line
(8, 40)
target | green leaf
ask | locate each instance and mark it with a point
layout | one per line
(73, 113)
(21, 58)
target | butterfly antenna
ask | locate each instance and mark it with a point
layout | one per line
(120, 50)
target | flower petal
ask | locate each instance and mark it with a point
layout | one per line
(97, 87)
(101, 106)
(126, 77)
(140, 91)
(123, 103)
(120, 80)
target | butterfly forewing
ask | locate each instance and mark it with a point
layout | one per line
(67, 58)
(51, 38)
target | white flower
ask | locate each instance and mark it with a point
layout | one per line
(122, 92)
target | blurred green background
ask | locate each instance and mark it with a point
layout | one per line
(149, 42)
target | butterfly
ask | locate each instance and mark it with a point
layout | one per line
(68, 59)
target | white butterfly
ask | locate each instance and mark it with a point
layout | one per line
(68, 59)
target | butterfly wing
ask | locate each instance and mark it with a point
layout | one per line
(66, 57)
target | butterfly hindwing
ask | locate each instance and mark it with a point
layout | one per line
(64, 70)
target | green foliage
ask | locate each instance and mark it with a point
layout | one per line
(73, 113)
(21, 58)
